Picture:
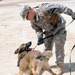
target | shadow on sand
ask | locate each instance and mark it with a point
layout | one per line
(66, 67)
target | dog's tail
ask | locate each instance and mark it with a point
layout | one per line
(45, 55)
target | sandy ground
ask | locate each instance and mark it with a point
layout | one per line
(14, 31)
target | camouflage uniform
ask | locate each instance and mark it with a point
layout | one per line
(40, 24)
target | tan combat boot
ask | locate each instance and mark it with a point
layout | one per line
(59, 69)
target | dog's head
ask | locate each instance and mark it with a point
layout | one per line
(23, 48)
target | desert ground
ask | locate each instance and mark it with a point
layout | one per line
(14, 31)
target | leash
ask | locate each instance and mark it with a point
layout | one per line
(34, 47)
(70, 22)
(54, 34)
(70, 59)
(57, 31)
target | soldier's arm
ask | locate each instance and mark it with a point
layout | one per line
(58, 9)
(38, 30)
(69, 12)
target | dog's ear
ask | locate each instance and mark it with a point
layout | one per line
(16, 51)
(22, 50)
(28, 44)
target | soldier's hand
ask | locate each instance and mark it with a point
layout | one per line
(40, 41)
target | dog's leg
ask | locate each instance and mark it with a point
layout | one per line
(34, 71)
(42, 71)
(47, 68)
(20, 72)
(36, 67)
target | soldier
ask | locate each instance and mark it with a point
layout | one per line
(46, 19)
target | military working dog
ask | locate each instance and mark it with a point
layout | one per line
(32, 62)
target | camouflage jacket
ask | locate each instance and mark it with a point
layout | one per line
(40, 23)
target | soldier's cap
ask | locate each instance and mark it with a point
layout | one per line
(24, 11)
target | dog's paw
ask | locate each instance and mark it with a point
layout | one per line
(16, 74)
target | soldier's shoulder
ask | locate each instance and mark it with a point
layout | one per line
(50, 5)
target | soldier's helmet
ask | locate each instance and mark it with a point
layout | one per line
(24, 11)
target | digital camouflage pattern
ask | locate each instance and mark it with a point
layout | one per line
(40, 24)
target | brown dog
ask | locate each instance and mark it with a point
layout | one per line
(32, 62)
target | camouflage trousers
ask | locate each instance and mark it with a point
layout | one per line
(59, 40)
